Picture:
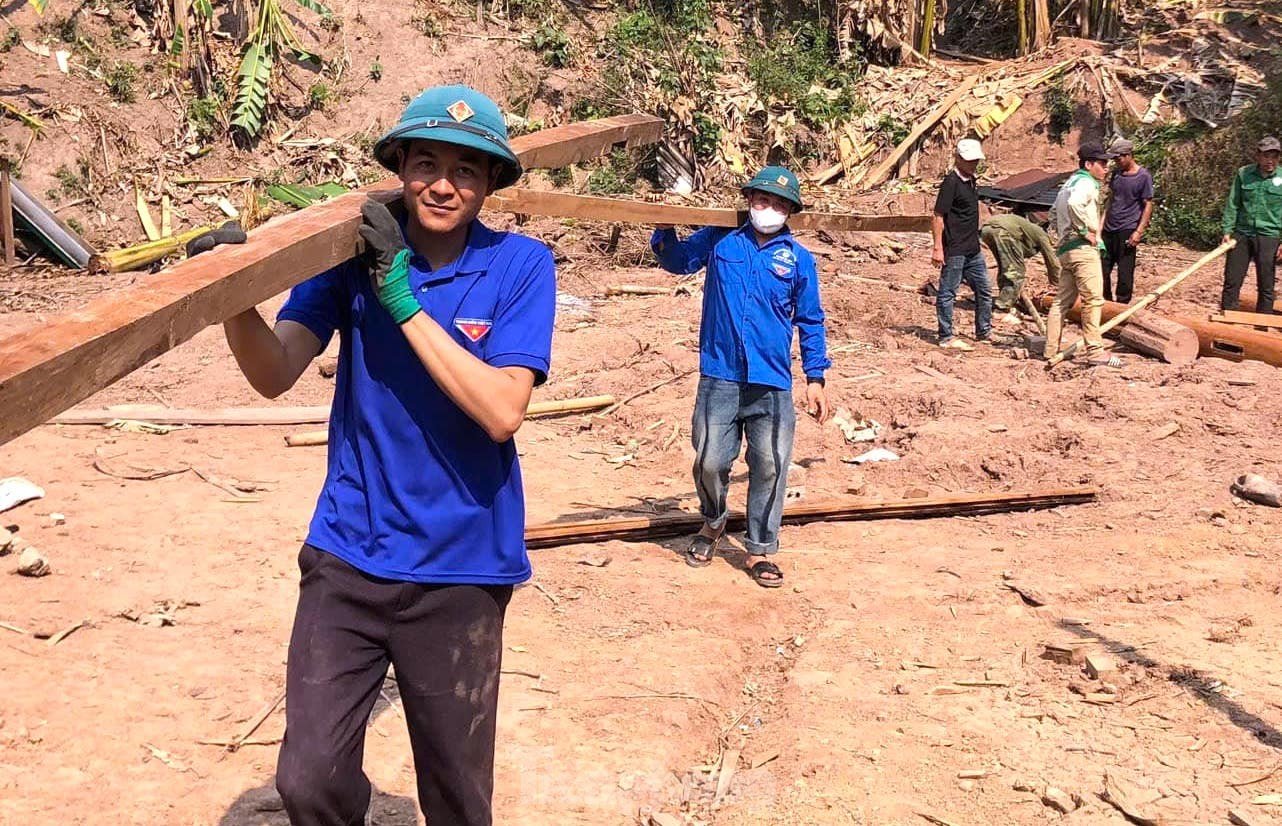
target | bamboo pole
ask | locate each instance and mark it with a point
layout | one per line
(148, 252)
(1147, 300)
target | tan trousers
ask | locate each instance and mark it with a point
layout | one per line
(1080, 274)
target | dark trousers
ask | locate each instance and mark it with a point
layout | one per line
(973, 270)
(1263, 251)
(1118, 252)
(724, 413)
(446, 643)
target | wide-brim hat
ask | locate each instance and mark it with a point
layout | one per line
(453, 114)
(777, 181)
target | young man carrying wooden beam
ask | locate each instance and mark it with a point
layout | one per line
(761, 282)
(418, 534)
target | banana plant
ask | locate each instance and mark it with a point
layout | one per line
(271, 36)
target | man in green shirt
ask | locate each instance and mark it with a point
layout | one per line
(1013, 240)
(1253, 216)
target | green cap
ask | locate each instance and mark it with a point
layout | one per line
(777, 181)
(453, 114)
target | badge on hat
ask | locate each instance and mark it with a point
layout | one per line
(474, 328)
(460, 111)
(782, 180)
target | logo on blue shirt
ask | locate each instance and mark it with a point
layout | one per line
(474, 328)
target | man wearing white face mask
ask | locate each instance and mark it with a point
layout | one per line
(760, 283)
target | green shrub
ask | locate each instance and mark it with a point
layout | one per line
(553, 43)
(202, 117)
(1059, 110)
(617, 175)
(376, 71)
(895, 130)
(74, 183)
(120, 79)
(1193, 167)
(319, 95)
(800, 69)
(11, 38)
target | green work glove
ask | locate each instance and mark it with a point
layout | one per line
(389, 261)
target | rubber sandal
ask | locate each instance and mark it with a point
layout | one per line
(766, 574)
(700, 551)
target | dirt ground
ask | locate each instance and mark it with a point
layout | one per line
(630, 674)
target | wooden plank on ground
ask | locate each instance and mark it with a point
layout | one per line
(566, 205)
(50, 368)
(249, 416)
(553, 534)
(1249, 319)
(232, 416)
(923, 126)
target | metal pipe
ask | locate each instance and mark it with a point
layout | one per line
(33, 217)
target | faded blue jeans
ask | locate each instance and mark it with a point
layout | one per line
(974, 271)
(724, 412)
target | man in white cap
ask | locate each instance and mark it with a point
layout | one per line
(955, 226)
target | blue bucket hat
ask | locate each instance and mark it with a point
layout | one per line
(453, 114)
(777, 181)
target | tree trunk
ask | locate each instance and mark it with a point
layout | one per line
(927, 29)
(1160, 338)
(1041, 24)
(1021, 11)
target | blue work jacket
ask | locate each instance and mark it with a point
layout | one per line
(752, 298)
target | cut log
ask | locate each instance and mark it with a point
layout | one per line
(1250, 319)
(48, 369)
(567, 205)
(1159, 337)
(1148, 299)
(552, 534)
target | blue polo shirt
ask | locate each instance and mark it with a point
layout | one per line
(415, 490)
(752, 298)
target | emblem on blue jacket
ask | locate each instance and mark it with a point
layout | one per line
(784, 261)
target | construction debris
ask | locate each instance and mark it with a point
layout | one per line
(32, 563)
(15, 490)
(1257, 489)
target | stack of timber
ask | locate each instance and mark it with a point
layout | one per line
(553, 534)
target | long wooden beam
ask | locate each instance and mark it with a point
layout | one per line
(553, 534)
(577, 142)
(50, 368)
(565, 205)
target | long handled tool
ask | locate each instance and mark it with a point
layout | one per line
(1032, 308)
(1147, 300)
